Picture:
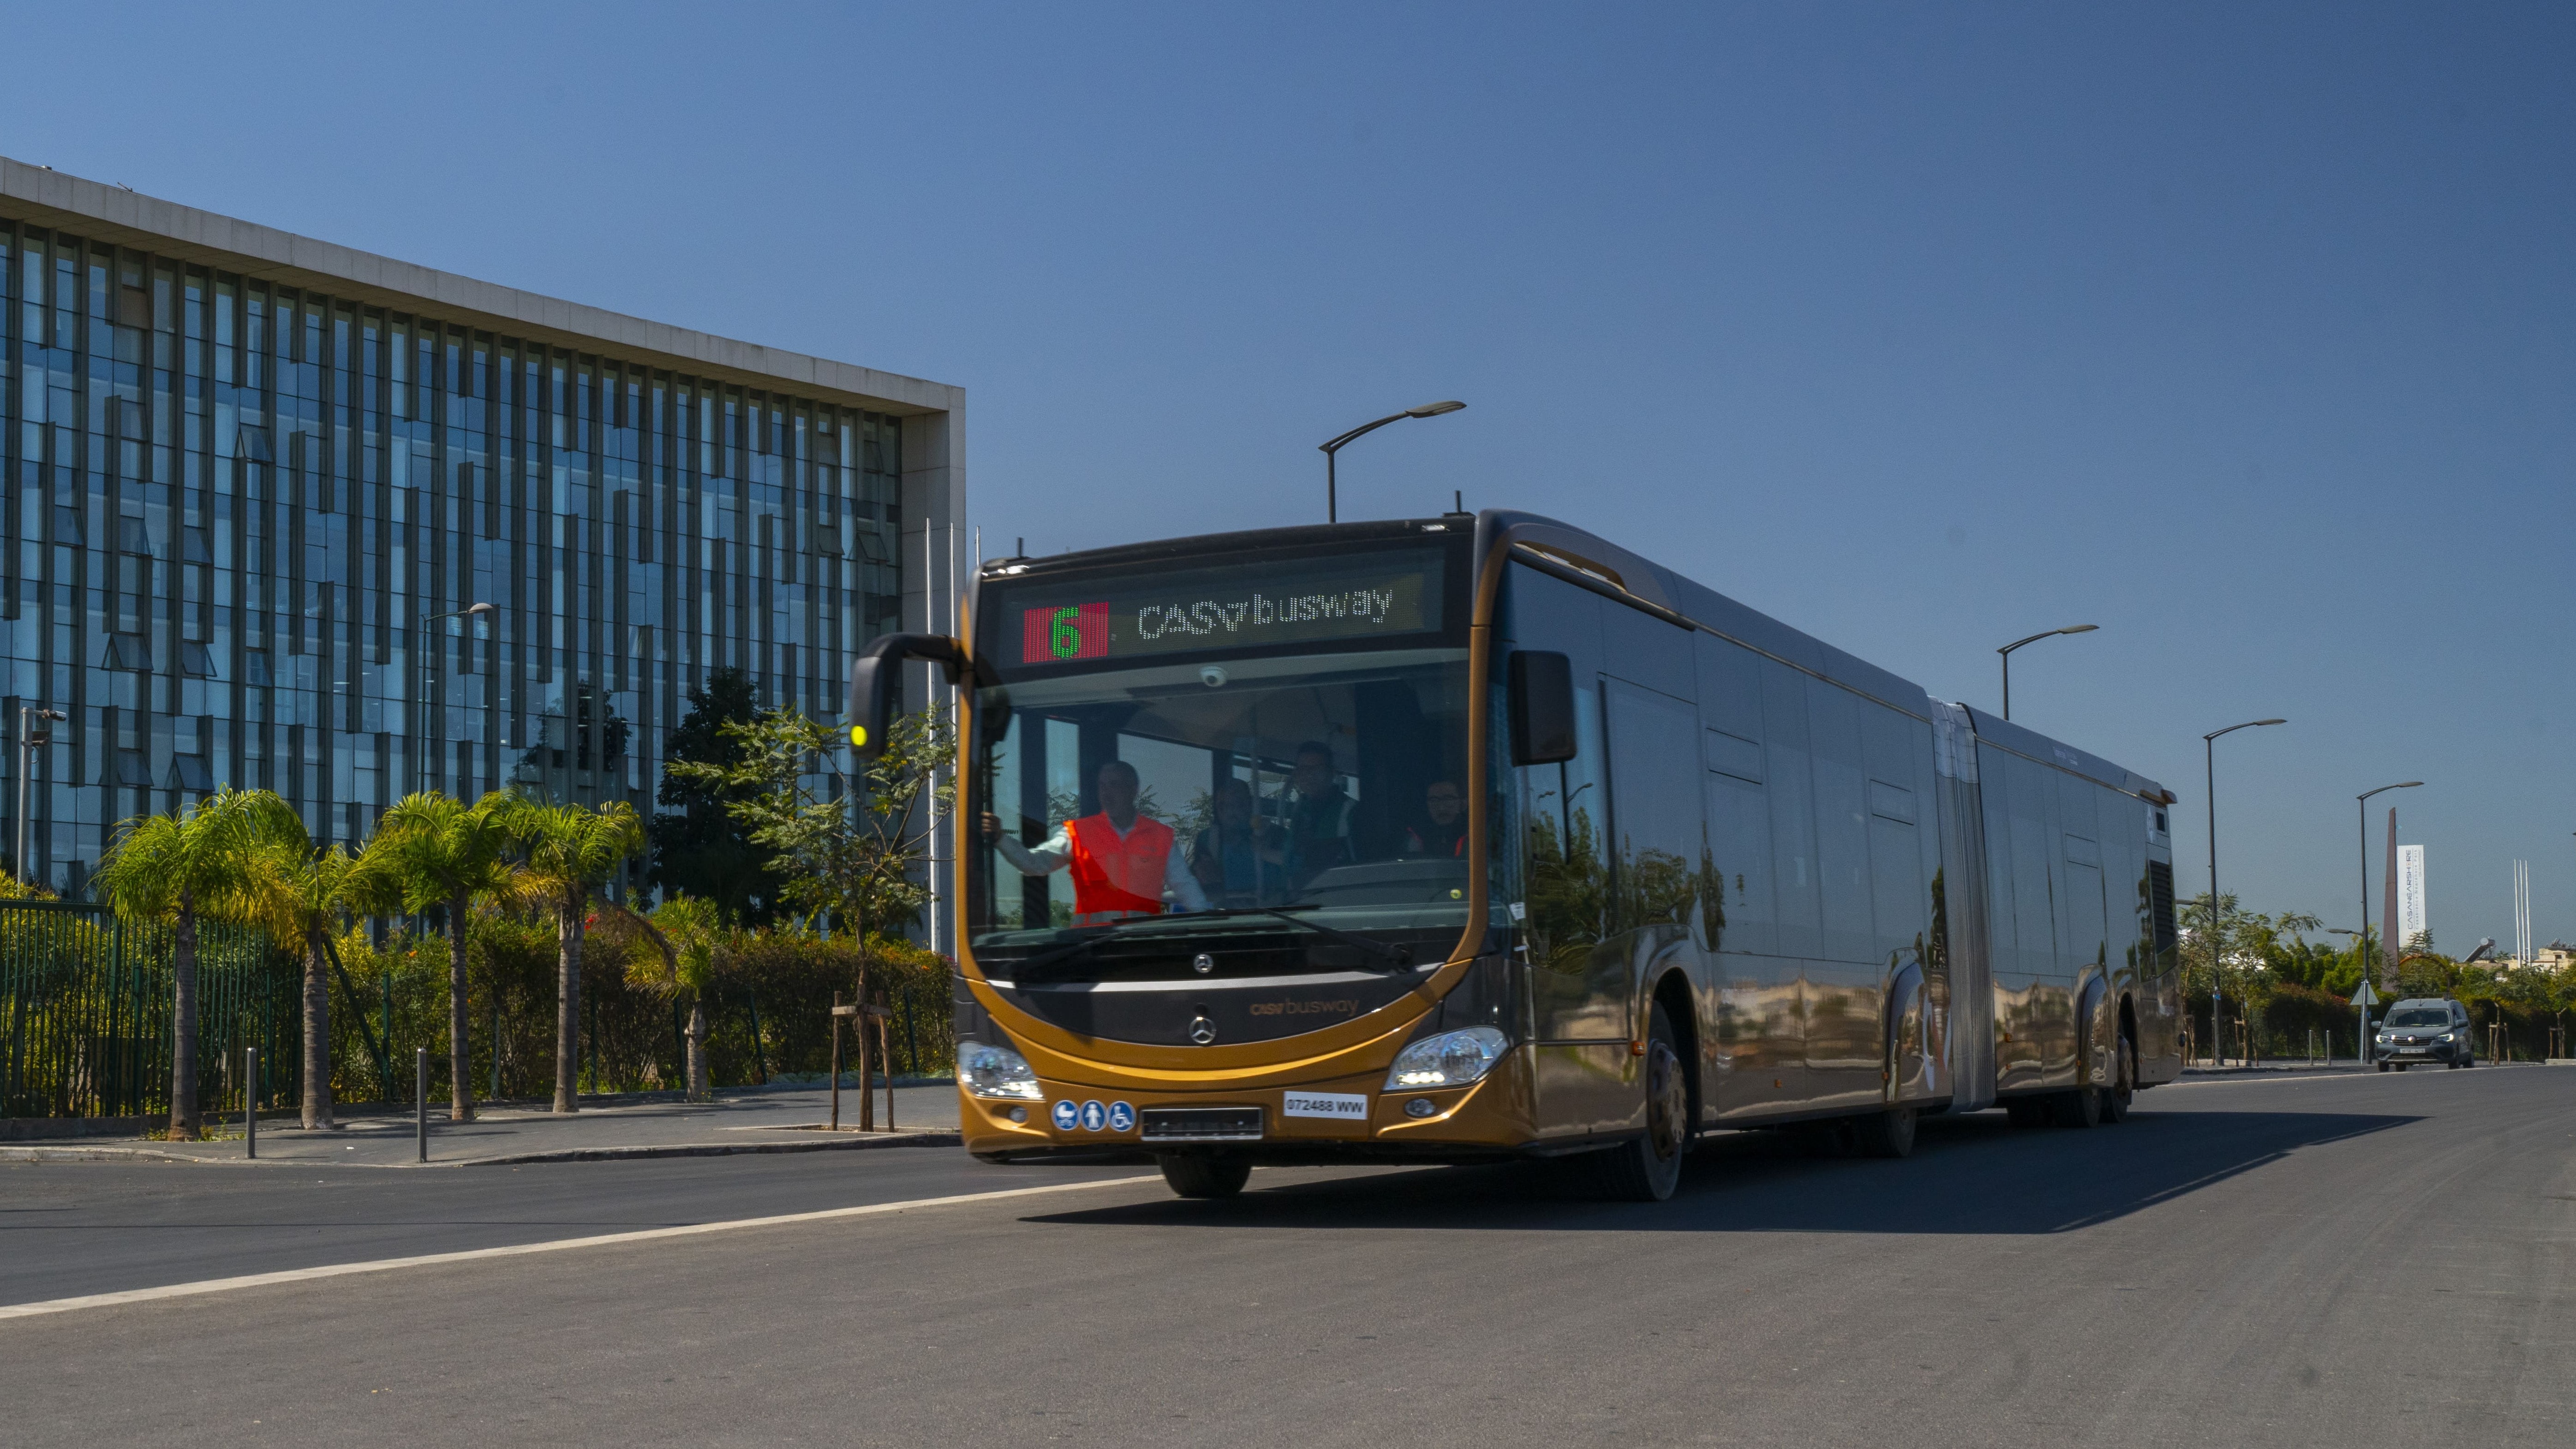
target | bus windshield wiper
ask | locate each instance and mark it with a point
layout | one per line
(1029, 968)
(1399, 957)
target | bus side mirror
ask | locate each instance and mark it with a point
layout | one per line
(876, 681)
(1542, 707)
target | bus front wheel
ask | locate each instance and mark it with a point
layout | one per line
(1649, 1166)
(1208, 1177)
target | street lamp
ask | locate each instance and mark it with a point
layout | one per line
(420, 743)
(2362, 800)
(1332, 502)
(2209, 766)
(2007, 650)
(27, 738)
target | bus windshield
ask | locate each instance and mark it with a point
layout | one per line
(1178, 806)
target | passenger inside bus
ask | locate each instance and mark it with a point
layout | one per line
(1442, 830)
(1240, 859)
(1319, 817)
(1124, 864)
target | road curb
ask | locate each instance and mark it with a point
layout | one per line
(505, 1159)
(717, 1149)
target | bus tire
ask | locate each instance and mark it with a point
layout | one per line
(1204, 1177)
(1885, 1134)
(2123, 1091)
(1649, 1166)
(2079, 1108)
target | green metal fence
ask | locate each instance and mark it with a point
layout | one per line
(85, 1005)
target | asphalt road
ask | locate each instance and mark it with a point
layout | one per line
(2358, 1260)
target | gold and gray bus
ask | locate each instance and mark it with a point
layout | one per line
(1479, 837)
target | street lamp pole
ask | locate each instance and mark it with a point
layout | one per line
(1332, 450)
(2007, 650)
(2209, 764)
(420, 742)
(27, 739)
(2362, 802)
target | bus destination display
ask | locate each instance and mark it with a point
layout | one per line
(1247, 607)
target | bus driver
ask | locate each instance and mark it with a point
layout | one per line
(1123, 864)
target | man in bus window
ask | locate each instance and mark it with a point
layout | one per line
(1319, 814)
(1240, 859)
(1443, 828)
(1124, 864)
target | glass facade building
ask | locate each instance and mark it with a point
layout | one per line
(245, 503)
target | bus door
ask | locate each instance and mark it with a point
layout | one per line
(1577, 978)
(1661, 877)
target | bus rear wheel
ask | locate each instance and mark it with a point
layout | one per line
(1205, 1177)
(1649, 1167)
(2079, 1108)
(2123, 1091)
(1885, 1134)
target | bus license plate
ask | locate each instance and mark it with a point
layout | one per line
(1338, 1106)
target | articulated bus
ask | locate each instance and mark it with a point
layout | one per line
(1478, 837)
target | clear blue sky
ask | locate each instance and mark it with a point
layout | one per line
(2241, 331)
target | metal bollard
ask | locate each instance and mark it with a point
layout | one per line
(420, 1099)
(250, 1101)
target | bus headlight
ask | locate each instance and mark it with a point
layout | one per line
(1451, 1059)
(991, 1071)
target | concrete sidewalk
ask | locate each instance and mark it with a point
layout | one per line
(520, 1132)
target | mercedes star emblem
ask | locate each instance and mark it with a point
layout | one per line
(1202, 1030)
(1203, 963)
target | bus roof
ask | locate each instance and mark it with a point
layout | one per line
(1640, 578)
(1658, 585)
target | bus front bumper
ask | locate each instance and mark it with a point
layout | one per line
(1341, 1120)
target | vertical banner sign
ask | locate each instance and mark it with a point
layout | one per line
(2391, 945)
(2410, 894)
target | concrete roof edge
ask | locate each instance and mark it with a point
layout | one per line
(60, 199)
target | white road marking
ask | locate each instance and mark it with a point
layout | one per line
(2322, 1076)
(603, 1240)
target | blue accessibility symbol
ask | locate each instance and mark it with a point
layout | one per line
(1066, 1114)
(1094, 1116)
(1122, 1118)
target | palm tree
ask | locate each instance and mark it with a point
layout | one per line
(177, 869)
(692, 939)
(298, 889)
(569, 853)
(440, 851)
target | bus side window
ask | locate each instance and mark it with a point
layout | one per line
(1660, 845)
(1793, 822)
(1739, 844)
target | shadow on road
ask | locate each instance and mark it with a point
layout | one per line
(1970, 1175)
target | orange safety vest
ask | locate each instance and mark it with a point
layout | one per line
(1113, 876)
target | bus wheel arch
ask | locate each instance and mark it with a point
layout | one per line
(2122, 1091)
(2081, 1106)
(1647, 1167)
(1673, 993)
